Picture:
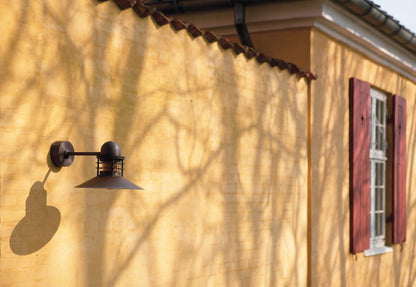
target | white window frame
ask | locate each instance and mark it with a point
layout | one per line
(378, 162)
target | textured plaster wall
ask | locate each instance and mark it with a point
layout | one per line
(331, 262)
(219, 144)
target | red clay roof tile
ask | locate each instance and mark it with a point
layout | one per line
(250, 53)
(194, 30)
(225, 43)
(123, 4)
(294, 69)
(261, 58)
(238, 48)
(141, 10)
(210, 37)
(177, 24)
(160, 18)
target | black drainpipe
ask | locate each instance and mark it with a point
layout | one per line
(240, 23)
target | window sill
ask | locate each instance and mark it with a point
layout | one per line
(377, 250)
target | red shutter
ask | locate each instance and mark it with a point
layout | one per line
(399, 173)
(359, 165)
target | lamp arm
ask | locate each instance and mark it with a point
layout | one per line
(82, 153)
(62, 153)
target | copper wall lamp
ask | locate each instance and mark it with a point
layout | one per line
(109, 164)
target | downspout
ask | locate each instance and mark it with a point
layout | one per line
(240, 24)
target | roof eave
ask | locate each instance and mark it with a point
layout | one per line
(373, 15)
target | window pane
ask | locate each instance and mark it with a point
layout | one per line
(380, 137)
(372, 125)
(382, 113)
(378, 115)
(383, 174)
(379, 199)
(379, 230)
(377, 124)
(378, 174)
(380, 143)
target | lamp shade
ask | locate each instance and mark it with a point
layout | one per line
(109, 182)
(109, 170)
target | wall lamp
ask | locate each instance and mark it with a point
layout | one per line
(109, 164)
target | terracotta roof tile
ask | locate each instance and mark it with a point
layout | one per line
(141, 10)
(124, 4)
(160, 18)
(238, 48)
(177, 24)
(294, 69)
(225, 43)
(250, 53)
(194, 31)
(283, 65)
(261, 58)
(210, 37)
(275, 63)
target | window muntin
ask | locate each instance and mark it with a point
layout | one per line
(378, 158)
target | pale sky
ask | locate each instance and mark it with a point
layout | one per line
(402, 10)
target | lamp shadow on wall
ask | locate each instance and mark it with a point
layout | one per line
(40, 223)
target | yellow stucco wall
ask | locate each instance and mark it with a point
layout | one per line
(331, 262)
(219, 144)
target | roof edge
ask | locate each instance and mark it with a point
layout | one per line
(373, 15)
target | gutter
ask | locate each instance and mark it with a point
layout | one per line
(371, 13)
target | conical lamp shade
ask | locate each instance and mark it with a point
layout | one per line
(109, 182)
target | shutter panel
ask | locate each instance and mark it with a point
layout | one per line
(359, 165)
(399, 170)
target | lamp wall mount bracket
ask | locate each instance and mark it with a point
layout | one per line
(61, 153)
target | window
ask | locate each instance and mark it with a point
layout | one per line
(378, 159)
(377, 169)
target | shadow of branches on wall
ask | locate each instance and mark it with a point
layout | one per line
(219, 145)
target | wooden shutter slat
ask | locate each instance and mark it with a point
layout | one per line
(359, 165)
(399, 170)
